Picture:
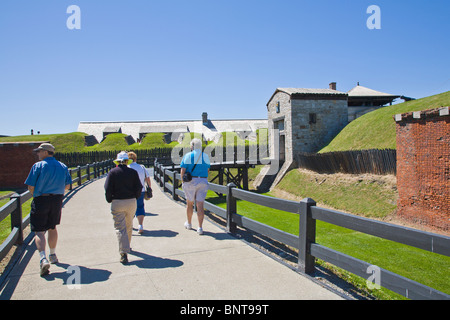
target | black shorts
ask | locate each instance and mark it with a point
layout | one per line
(45, 212)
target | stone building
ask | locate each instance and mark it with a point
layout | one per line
(307, 119)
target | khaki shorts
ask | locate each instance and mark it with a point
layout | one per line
(196, 189)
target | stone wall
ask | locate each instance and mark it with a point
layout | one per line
(309, 123)
(423, 167)
(316, 122)
(275, 115)
(306, 123)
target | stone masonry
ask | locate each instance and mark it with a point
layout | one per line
(307, 120)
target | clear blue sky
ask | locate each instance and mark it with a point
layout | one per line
(173, 60)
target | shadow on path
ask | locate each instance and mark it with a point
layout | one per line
(152, 262)
(86, 275)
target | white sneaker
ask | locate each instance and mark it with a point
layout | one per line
(44, 266)
(187, 225)
(53, 258)
(200, 230)
(141, 230)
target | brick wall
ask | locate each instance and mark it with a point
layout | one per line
(423, 167)
(16, 161)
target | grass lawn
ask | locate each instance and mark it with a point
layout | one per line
(366, 195)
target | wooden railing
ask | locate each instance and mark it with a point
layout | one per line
(93, 170)
(305, 243)
(14, 206)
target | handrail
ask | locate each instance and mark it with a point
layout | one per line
(308, 249)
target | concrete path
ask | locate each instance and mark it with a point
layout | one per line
(168, 262)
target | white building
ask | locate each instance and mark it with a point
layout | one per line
(210, 129)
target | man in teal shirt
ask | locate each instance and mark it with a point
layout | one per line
(47, 181)
(197, 163)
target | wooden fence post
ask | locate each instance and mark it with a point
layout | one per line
(231, 208)
(79, 175)
(94, 169)
(88, 171)
(166, 179)
(307, 235)
(175, 186)
(71, 184)
(16, 217)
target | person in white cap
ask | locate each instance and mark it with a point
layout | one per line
(47, 181)
(122, 188)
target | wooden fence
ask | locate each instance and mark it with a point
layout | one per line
(14, 206)
(357, 161)
(305, 243)
(145, 157)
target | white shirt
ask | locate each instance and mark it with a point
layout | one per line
(142, 172)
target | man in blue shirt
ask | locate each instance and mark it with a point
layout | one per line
(197, 163)
(47, 181)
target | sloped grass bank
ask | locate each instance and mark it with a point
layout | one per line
(376, 129)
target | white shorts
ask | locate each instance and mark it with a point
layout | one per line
(196, 189)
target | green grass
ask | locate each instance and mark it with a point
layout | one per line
(5, 225)
(113, 141)
(64, 142)
(371, 197)
(376, 129)
(419, 265)
(74, 142)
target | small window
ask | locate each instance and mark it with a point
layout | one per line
(279, 125)
(312, 118)
(277, 108)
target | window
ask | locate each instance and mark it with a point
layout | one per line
(278, 125)
(277, 107)
(312, 118)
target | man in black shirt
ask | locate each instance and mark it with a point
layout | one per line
(122, 188)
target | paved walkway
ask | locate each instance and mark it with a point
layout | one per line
(168, 262)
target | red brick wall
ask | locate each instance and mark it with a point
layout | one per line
(16, 160)
(423, 167)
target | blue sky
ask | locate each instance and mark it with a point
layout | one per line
(173, 60)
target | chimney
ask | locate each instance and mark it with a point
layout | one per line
(333, 85)
(205, 117)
